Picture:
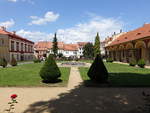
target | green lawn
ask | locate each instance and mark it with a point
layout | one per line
(28, 75)
(123, 75)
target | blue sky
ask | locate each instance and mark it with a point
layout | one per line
(73, 20)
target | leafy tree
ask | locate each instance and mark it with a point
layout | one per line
(55, 45)
(3, 62)
(13, 62)
(97, 45)
(98, 72)
(50, 71)
(88, 50)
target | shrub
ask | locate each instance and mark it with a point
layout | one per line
(37, 61)
(98, 71)
(141, 63)
(132, 62)
(109, 60)
(13, 62)
(50, 71)
(3, 63)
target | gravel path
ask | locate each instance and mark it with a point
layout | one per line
(75, 98)
(27, 96)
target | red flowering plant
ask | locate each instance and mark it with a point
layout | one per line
(12, 103)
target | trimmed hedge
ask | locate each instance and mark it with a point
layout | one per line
(13, 62)
(141, 63)
(132, 62)
(3, 62)
(37, 61)
(109, 60)
(50, 71)
(98, 71)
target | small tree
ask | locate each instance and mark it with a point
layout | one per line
(13, 62)
(98, 71)
(50, 71)
(3, 62)
(55, 45)
(88, 50)
(97, 45)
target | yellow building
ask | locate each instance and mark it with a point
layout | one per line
(12, 45)
(131, 45)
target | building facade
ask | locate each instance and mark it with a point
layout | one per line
(12, 45)
(43, 49)
(131, 45)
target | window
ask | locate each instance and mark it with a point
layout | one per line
(17, 46)
(25, 47)
(12, 45)
(28, 48)
(21, 46)
(31, 48)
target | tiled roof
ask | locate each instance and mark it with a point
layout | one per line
(14, 35)
(45, 45)
(71, 47)
(139, 33)
(82, 43)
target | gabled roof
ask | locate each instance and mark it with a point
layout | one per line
(136, 34)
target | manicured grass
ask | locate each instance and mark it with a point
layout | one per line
(123, 75)
(28, 75)
(86, 61)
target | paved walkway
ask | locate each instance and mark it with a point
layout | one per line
(27, 96)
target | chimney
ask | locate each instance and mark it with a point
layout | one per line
(114, 33)
(120, 30)
(14, 32)
(3, 28)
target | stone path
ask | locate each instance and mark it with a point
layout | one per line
(27, 96)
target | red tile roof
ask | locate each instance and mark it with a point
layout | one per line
(71, 47)
(139, 33)
(48, 45)
(12, 35)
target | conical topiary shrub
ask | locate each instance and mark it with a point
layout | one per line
(13, 62)
(3, 62)
(98, 71)
(50, 71)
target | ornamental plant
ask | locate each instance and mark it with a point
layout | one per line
(13, 62)
(98, 72)
(109, 60)
(3, 62)
(50, 71)
(132, 62)
(12, 104)
(141, 63)
(36, 60)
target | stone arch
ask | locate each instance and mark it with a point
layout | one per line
(148, 45)
(140, 44)
(121, 47)
(129, 46)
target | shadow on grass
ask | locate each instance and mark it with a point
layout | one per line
(92, 100)
(123, 80)
(54, 81)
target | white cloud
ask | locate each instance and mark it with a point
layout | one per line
(12, 0)
(87, 31)
(48, 17)
(8, 23)
(35, 35)
(29, 1)
(80, 32)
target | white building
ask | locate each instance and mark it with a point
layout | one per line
(43, 49)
